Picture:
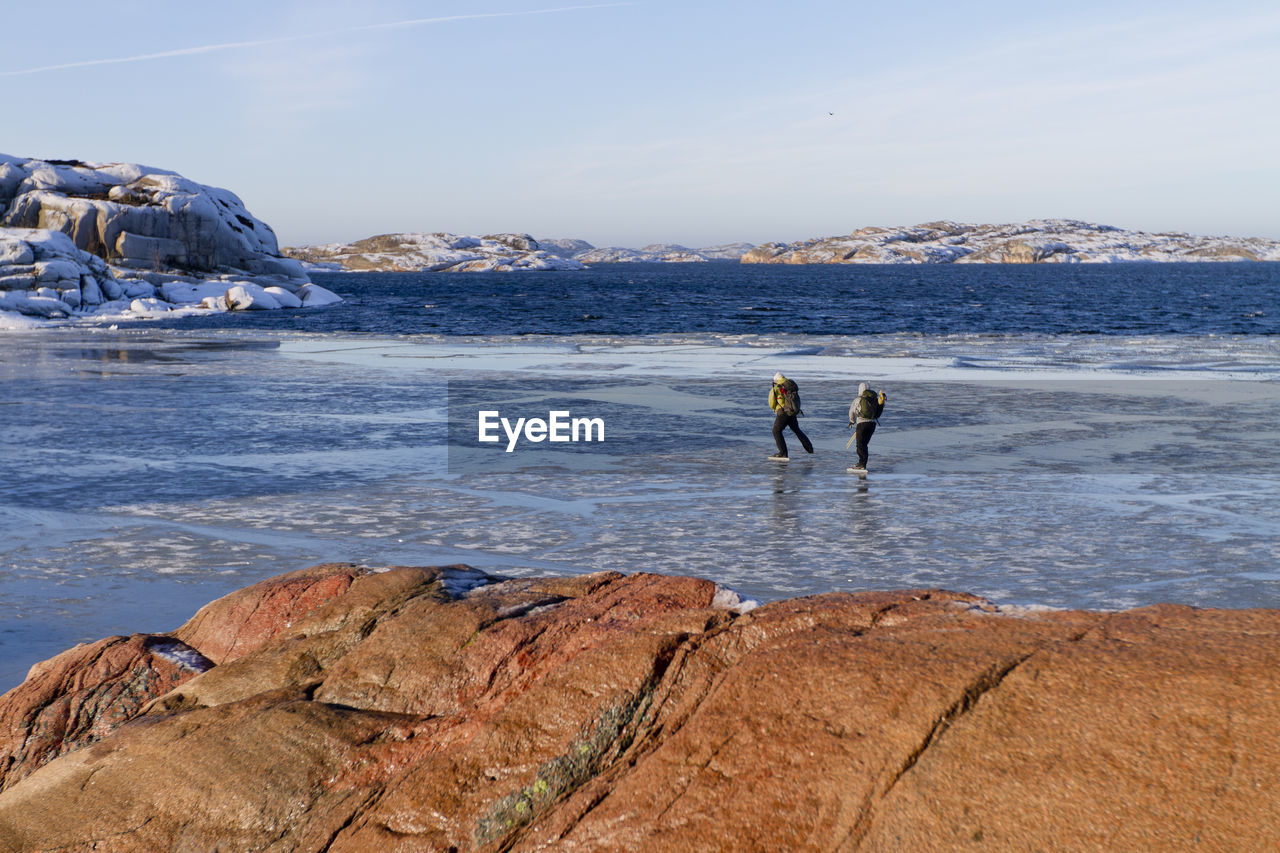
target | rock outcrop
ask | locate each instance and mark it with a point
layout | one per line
(80, 696)
(664, 253)
(565, 247)
(445, 709)
(80, 237)
(438, 252)
(443, 252)
(1038, 241)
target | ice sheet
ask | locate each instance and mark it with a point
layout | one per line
(881, 357)
(146, 474)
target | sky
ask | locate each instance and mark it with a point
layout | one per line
(677, 121)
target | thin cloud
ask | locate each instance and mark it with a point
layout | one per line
(237, 45)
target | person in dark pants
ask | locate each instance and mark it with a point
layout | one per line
(864, 413)
(784, 399)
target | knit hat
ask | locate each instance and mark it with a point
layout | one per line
(862, 387)
(778, 378)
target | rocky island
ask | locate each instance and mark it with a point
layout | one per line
(1037, 241)
(663, 253)
(438, 252)
(79, 237)
(348, 709)
(445, 252)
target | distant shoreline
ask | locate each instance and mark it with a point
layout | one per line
(1041, 241)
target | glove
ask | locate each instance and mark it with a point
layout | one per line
(883, 397)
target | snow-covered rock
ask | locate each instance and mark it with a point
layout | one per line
(28, 303)
(437, 252)
(135, 287)
(247, 296)
(1037, 241)
(149, 305)
(284, 297)
(96, 237)
(140, 217)
(315, 296)
(564, 247)
(45, 264)
(188, 292)
(445, 252)
(726, 251)
(663, 253)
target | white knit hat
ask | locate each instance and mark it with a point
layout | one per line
(778, 377)
(862, 387)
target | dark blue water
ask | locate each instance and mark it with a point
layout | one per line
(726, 297)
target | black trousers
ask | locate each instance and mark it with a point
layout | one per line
(862, 433)
(780, 423)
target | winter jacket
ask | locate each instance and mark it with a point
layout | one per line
(775, 397)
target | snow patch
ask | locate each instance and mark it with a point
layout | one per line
(11, 321)
(284, 297)
(1014, 611)
(459, 581)
(528, 608)
(314, 296)
(727, 599)
(247, 296)
(178, 652)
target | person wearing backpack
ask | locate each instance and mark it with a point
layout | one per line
(784, 399)
(864, 413)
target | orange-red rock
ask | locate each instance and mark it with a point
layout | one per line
(238, 623)
(611, 712)
(80, 696)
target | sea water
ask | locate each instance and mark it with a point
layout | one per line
(1102, 437)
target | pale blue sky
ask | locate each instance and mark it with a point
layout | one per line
(667, 120)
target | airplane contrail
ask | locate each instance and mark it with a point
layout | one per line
(233, 45)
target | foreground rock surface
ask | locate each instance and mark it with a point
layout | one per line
(437, 709)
